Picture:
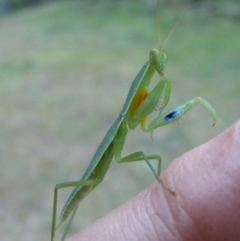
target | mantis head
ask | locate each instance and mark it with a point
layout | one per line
(158, 59)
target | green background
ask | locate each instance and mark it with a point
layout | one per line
(65, 71)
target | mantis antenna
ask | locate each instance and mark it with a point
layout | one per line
(158, 27)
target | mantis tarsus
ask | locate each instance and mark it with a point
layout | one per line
(139, 104)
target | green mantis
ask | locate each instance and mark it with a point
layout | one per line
(140, 103)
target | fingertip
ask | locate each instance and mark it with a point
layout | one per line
(206, 181)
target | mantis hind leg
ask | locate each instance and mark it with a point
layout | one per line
(55, 199)
(141, 156)
(69, 223)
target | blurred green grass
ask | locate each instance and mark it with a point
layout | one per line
(65, 70)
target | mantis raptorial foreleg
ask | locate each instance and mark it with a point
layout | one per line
(178, 112)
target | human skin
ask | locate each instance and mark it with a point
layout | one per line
(206, 206)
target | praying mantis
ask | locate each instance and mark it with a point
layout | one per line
(139, 104)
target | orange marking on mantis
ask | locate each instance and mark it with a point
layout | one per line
(144, 121)
(140, 96)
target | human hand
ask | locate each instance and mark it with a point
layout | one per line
(206, 207)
